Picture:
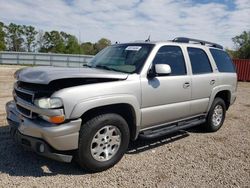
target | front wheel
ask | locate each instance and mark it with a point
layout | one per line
(216, 115)
(103, 140)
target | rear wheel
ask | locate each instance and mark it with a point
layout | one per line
(103, 140)
(216, 115)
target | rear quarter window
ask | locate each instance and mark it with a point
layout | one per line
(222, 60)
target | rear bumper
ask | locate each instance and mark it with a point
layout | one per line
(32, 133)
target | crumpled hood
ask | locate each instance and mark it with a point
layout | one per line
(44, 75)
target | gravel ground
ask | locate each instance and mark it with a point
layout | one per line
(191, 159)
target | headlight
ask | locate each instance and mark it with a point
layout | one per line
(16, 74)
(49, 102)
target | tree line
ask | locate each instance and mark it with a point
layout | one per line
(23, 38)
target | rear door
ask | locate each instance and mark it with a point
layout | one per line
(226, 68)
(203, 80)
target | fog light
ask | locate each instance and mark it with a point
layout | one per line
(41, 148)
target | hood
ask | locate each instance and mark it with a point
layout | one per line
(44, 75)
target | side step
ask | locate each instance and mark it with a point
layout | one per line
(169, 129)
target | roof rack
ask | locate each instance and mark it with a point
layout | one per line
(202, 42)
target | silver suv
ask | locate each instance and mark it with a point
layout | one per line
(131, 90)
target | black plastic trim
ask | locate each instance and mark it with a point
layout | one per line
(169, 129)
(202, 42)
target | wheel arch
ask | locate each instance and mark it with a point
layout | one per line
(125, 105)
(123, 109)
(224, 93)
(226, 96)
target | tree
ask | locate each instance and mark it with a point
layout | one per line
(101, 44)
(2, 37)
(30, 36)
(14, 37)
(231, 52)
(40, 41)
(71, 44)
(242, 43)
(88, 48)
(53, 42)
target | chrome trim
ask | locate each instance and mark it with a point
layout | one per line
(105, 143)
(217, 115)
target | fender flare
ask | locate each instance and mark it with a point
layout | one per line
(216, 90)
(83, 106)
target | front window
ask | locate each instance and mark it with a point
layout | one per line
(127, 58)
(171, 55)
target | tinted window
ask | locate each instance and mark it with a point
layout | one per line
(199, 61)
(222, 60)
(171, 55)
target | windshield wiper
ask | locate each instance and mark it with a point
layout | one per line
(105, 67)
(86, 65)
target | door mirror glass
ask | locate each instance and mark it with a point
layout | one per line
(162, 69)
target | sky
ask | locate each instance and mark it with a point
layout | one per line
(129, 20)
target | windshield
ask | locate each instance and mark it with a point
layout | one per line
(128, 58)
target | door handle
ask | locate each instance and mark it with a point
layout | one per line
(212, 82)
(186, 85)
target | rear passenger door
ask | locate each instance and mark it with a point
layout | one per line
(203, 80)
(225, 66)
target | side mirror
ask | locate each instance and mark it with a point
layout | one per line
(159, 70)
(162, 69)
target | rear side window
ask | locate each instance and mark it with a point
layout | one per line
(171, 55)
(222, 60)
(199, 61)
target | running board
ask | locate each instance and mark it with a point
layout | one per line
(169, 129)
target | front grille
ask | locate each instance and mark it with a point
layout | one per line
(24, 111)
(24, 95)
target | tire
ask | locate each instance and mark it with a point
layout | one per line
(103, 140)
(216, 115)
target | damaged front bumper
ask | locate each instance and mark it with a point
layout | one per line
(46, 139)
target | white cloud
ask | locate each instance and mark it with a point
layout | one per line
(132, 19)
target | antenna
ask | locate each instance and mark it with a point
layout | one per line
(79, 41)
(148, 40)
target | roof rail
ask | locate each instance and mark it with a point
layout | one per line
(202, 42)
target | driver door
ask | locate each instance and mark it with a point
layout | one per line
(166, 98)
